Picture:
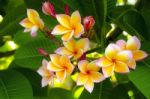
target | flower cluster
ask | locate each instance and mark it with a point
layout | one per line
(119, 57)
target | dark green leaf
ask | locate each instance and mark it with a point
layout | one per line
(14, 85)
(28, 56)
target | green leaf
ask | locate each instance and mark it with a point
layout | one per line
(10, 24)
(105, 90)
(131, 21)
(14, 85)
(35, 80)
(140, 78)
(58, 93)
(28, 56)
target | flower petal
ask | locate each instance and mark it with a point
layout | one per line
(83, 44)
(124, 56)
(67, 36)
(104, 62)
(69, 68)
(111, 51)
(92, 66)
(61, 75)
(59, 30)
(81, 79)
(34, 17)
(96, 77)
(44, 62)
(43, 71)
(45, 81)
(139, 55)
(63, 51)
(55, 58)
(121, 44)
(133, 43)
(64, 59)
(54, 67)
(89, 85)
(34, 31)
(75, 18)
(132, 64)
(108, 71)
(26, 23)
(70, 45)
(78, 30)
(121, 67)
(64, 20)
(82, 65)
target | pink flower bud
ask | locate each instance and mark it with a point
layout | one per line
(66, 9)
(42, 52)
(48, 9)
(88, 22)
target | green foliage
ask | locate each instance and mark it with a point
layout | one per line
(23, 82)
(28, 56)
(14, 85)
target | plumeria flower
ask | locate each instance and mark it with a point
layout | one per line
(89, 74)
(115, 59)
(73, 48)
(134, 45)
(69, 26)
(47, 75)
(61, 65)
(32, 23)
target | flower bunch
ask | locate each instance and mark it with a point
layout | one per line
(119, 57)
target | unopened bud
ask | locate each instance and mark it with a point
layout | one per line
(88, 22)
(66, 9)
(42, 52)
(48, 9)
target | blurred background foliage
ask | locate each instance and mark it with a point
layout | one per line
(19, 58)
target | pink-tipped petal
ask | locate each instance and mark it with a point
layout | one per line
(132, 64)
(63, 51)
(121, 44)
(75, 18)
(124, 56)
(139, 55)
(112, 50)
(89, 86)
(45, 81)
(133, 43)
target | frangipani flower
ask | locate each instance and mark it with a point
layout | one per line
(89, 75)
(69, 26)
(134, 45)
(74, 48)
(115, 59)
(61, 65)
(47, 75)
(33, 22)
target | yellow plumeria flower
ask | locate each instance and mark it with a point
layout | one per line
(89, 75)
(73, 48)
(69, 26)
(134, 45)
(47, 75)
(115, 59)
(61, 65)
(33, 22)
